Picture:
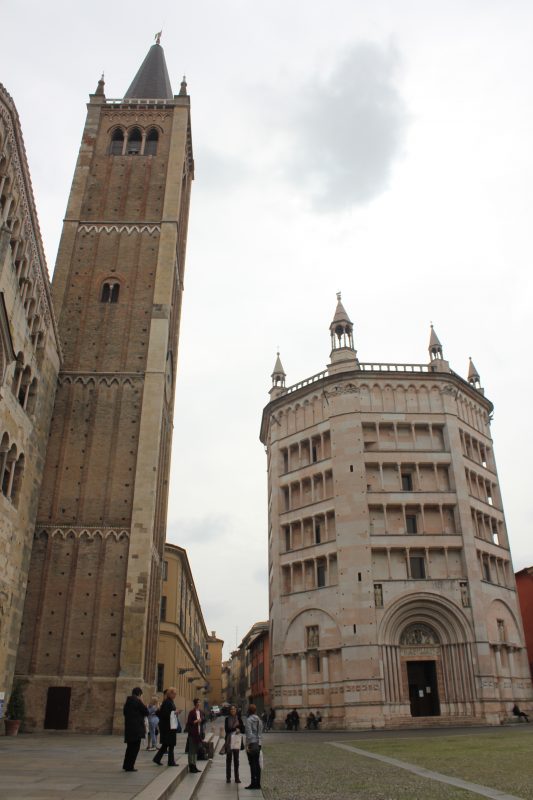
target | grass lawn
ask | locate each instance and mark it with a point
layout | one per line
(502, 760)
(317, 771)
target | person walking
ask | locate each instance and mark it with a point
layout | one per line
(271, 718)
(233, 725)
(254, 731)
(168, 722)
(153, 723)
(194, 729)
(135, 713)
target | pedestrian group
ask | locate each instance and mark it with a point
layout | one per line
(146, 722)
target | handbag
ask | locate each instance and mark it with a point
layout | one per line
(236, 741)
(173, 721)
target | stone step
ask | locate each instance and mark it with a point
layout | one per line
(433, 722)
(189, 784)
(177, 783)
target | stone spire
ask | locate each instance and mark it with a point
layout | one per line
(151, 81)
(473, 375)
(183, 87)
(343, 353)
(435, 347)
(278, 378)
(100, 87)
(437, 362)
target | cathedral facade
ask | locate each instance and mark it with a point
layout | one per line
(29, 363)
(91, 615)
(392, 595)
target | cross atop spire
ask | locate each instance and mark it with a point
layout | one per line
(152, 80)
(158, 37)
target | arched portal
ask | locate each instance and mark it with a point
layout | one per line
(426, 648)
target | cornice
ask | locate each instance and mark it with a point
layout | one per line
(349, 383)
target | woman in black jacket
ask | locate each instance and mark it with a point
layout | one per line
(232, 724)
(167, 735)
(135, 713)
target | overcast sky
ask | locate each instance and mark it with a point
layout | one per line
(383, 149)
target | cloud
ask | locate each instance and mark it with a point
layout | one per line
(218, 170)
(348, 129)
(205, 529)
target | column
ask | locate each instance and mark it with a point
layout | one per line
(325, 667)
(418, 487)
(303, 676)
(446, 561)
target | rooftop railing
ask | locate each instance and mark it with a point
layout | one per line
(363, 367)
(137, 101)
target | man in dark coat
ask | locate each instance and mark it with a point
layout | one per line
(135, 713)
(195, 722)
(167, 734)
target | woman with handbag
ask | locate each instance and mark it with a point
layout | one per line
(168, 723)
(234, 729)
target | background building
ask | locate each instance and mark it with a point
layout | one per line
(214, 669)
(392, 594)
(91, 613)
(29, 363)
(259, 655)
(225, 680)
(524, 585)
(243, 669)
(182, 648)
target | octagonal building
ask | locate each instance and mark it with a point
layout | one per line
(392, 593)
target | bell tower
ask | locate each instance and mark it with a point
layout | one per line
(92, 606)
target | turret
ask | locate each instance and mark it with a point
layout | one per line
(473, 376)
(278, 379)
(343, 353)
(437, 361)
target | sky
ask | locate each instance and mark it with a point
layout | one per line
(380, 149)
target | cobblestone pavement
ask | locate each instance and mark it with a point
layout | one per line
(304, 766)
(61, 766)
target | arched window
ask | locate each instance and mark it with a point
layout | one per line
(8, 475)
(17, 376)
(32, 394)
(34, 327)
(18, 469)
(24, 387)
(134, 142)
(110, 292)
(117, 143)
(150, 147)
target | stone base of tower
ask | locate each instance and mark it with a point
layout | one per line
(383, 716)
(77, 704)
(74, 703)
